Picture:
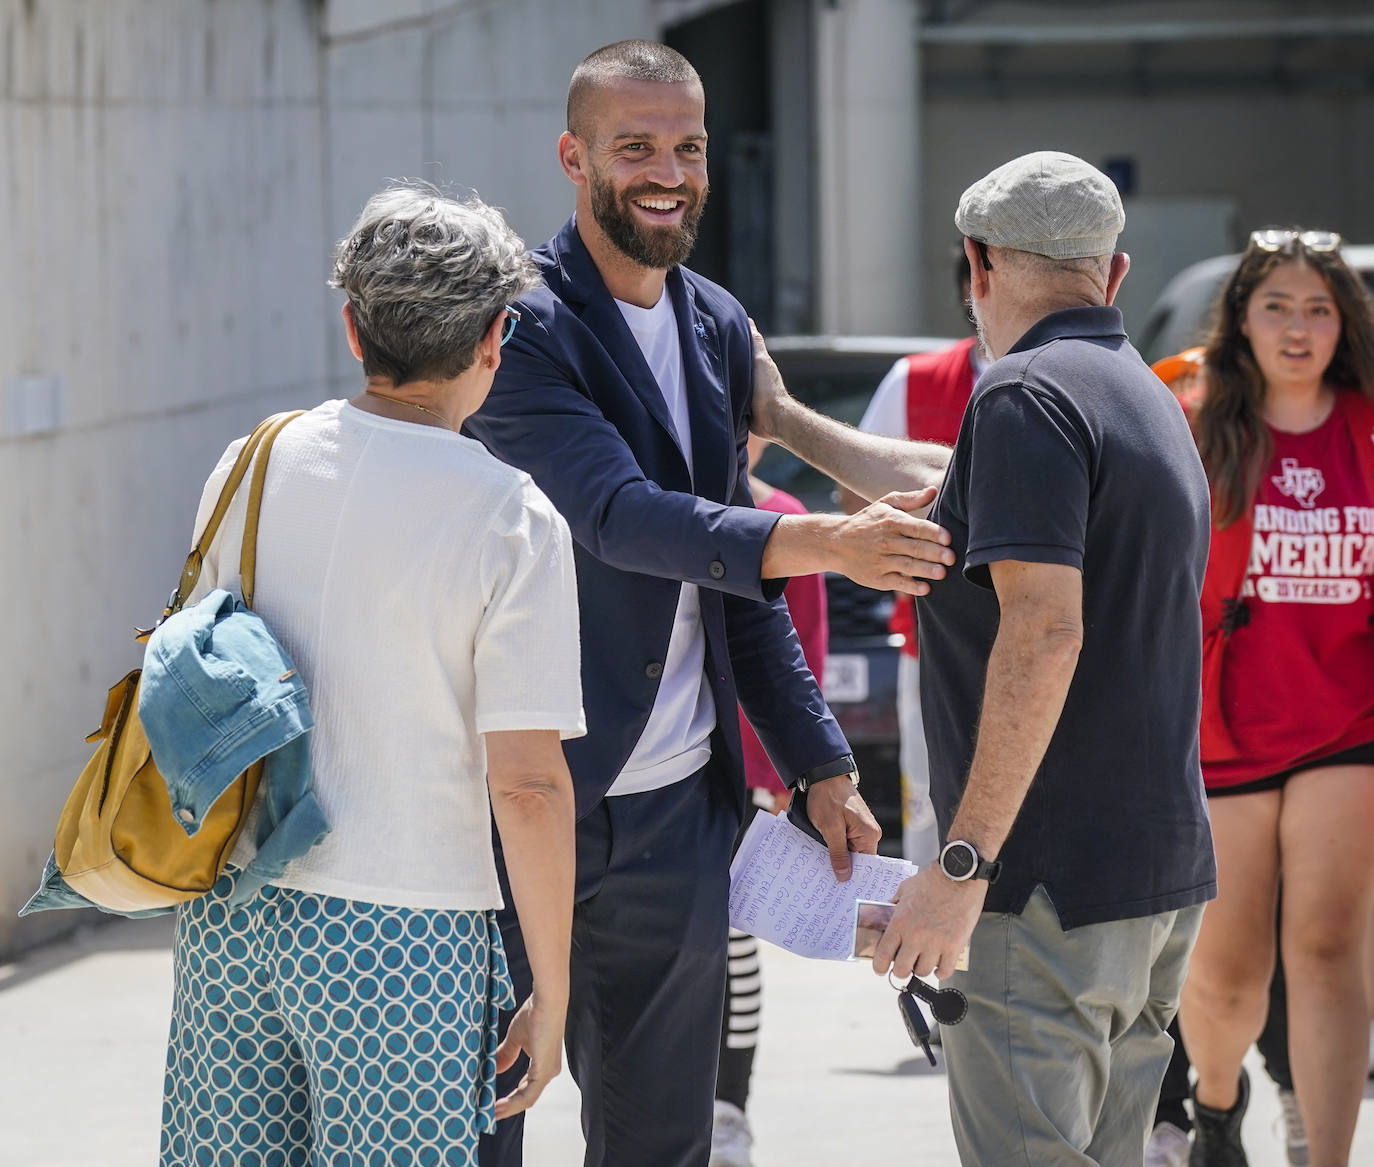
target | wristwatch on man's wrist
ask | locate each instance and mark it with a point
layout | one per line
(960, 861)
(841, 765)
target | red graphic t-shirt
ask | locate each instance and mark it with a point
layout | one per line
(1299, 676)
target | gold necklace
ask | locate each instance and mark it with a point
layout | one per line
(413, 405)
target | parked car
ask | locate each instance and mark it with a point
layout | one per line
(1182, 315)
(837, 376)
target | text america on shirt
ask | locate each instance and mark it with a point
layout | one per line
(1309, 554)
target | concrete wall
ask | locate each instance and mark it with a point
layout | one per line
(1279, 158)
(472, 95)
(175, 174)
(1235, 114)
(867, 166)
(161, 289)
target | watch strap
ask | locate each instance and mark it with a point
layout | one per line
(832, 769)
(989, 869)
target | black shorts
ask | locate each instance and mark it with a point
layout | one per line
(1354, 756)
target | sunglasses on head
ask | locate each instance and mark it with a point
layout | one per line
(1282, 238)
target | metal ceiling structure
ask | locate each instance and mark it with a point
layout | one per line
(974, 48)
(1153, 32)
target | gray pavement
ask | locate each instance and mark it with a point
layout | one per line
(82, 1026)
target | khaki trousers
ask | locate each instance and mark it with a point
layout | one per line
(1059, 1061)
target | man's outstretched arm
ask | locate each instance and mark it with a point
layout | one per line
(869, 465)
(539, 419)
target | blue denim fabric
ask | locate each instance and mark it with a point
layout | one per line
(217, 694)
(53, 893)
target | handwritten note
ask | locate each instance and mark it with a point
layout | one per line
(783, 890)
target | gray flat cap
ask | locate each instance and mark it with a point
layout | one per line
(1050, 203)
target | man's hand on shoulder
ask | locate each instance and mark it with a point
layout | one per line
(883, 546)
(889, 544)
(837, 809)
(770, 399)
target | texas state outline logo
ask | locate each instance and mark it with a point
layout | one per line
(1301, 483)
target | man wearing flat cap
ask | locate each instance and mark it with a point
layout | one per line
(1060, 685)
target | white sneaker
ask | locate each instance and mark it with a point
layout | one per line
(1168, 1146)
(1294, 1133)
(731, 1137)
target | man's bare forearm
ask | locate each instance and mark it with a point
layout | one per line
(870, 465)
(883, 546)
(1030, 667)
(801, 545)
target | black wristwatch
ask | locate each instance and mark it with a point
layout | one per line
(841, 765)
(960, 860)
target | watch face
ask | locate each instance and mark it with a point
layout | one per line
(957, 859)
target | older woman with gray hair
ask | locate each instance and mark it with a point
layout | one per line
(347, 1013)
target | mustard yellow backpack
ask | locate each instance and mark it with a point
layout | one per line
(118, 843)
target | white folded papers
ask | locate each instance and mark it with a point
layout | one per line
(782, 890)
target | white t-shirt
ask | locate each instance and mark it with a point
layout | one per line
(676, 741)
(426, 593)
(886, 413)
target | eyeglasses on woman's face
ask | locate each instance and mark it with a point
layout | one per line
(1283, 238)
(508, 328)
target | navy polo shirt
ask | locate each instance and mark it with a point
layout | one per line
(1073, 452)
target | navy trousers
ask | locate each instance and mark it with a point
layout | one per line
(648, 977)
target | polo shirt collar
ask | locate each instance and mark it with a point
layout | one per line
(1083, 323)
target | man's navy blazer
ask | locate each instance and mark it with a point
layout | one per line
(575, 405)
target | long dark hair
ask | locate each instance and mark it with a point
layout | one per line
(1231, 435)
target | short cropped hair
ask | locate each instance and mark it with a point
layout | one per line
(638, 60)
(1032, 263)
(427, 275)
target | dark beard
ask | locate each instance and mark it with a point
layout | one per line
(653, 247)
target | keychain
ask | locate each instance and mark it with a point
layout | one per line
(947, 1006)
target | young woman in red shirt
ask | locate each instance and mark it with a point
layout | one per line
(1286, 432)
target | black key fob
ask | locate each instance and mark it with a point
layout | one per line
(947, 1006)
(915, 1022)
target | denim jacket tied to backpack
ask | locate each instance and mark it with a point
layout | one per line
(218, 692)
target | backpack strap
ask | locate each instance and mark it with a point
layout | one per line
(248, 553)
(195, 560)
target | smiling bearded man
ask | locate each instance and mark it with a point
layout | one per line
(625, 395)
(649, 245)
